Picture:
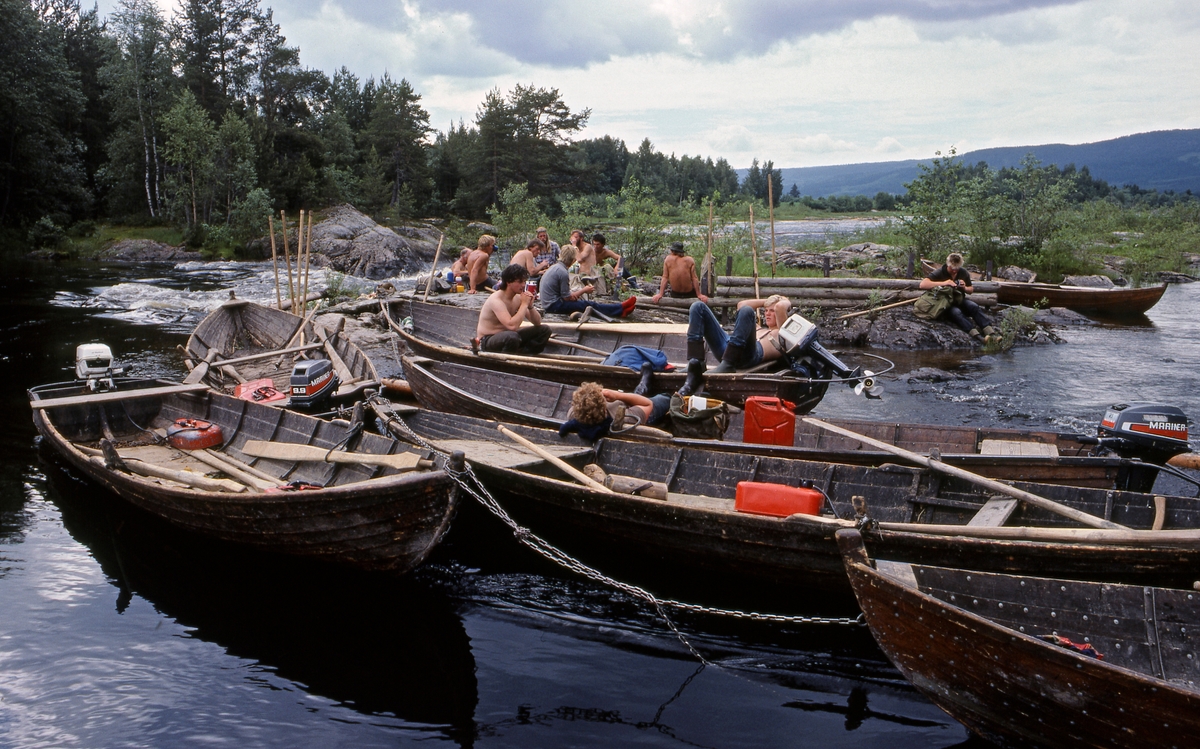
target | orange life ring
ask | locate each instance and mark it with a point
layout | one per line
(194, 434)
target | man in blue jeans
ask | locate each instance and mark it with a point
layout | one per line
(557, 297)
(749, 345)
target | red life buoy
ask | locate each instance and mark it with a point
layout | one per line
(194, 434)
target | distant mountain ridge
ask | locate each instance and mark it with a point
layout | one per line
(1162, 160)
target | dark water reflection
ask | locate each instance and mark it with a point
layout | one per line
(118, 631)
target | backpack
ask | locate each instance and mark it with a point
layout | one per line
(933, 303)
(698, 423)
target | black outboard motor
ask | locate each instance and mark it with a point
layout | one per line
(313, 382)
(811, 359)
(1152, 432)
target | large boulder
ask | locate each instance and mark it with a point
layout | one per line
(349, 241)
(146, 251)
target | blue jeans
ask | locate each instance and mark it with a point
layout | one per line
(564, 307)
(703, 326)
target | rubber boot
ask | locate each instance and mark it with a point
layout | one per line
(695, 350)
(695, 377)
(989, 330)
(733, 354)
(975, 336)
(643, 386)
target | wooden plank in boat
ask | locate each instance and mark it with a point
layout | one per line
(506, 456)
(117, 395)
(1017, 447)
(994, 513)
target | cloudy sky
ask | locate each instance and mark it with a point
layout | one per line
(802, 82)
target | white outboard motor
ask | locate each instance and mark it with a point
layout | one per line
(799, 339)
(94, 365)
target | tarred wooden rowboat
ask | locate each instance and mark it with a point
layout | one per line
(976, 644)
(444, 332)
(1116, 302)
(1030, 455)
(923, 516)
(365, 516)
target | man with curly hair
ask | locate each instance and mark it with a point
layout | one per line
(596, 411)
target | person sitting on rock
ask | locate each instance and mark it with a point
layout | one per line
(597, 411)
(963, 312)
(585, 253)
(477, 265)
(458, 270)
(679, 271)
(500, 329)
(528, 257)
(557, 297)
(550, 250)
(748, 346)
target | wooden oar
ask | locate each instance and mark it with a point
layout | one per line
(309, 453)
(343, 372)
(566, 467)
(580, 346)
(143, 468)
(1185, 460)
(877, 309)
(433, 268)
(937, 465)
(201, 369)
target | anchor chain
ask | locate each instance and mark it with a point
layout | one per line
(472, 485)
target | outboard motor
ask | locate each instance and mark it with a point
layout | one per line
(313, 382)
(1152, 432)
(94, 365)
(807, 356)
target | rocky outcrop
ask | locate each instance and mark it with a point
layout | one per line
(422, 240)
(349, 241)
(146, 251)
(850, 257)
(1092, 282)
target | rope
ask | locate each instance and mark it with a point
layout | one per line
(470, 483)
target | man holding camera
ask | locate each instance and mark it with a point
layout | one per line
(955, 283)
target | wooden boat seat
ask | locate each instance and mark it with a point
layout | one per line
(994, 513)
(508, 456)
(1018, 447)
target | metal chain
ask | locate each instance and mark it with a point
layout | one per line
(470, 483)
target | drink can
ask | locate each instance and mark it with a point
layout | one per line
(531, 288)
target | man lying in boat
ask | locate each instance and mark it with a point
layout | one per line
(596, 411)
(557, 297)
(954, 284)
(499, 329)
(749, 345)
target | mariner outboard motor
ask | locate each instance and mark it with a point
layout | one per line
(1152, 432)
(810, 358)
(313, 382)
(94, 365)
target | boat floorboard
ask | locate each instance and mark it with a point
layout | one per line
(508, 456)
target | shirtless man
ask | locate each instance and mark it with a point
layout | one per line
(585, 254)
(749, 345)
(477, 264)
(499, 328)
(528, 257)
(679, 271)
(458, 271)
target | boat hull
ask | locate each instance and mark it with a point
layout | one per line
(1116, 302)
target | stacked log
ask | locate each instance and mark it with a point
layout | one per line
(833, 293)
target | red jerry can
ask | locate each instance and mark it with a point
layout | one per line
(769, 421)
(777, 500)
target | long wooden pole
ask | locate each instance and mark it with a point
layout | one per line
(301, 279)
(307, 259)
(937, 465)
(287, 261)
(754, 254)
(275, 262)
(433, 269)
(566, 467)
(771, 208)
(877, 309)
(708, 257)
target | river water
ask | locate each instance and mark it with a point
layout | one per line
(117, 631)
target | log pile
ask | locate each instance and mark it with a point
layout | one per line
(833, 293)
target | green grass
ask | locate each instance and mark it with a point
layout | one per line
(106, 234)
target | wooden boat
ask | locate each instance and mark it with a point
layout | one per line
(922, 516)
(364, 515)
(1117, 302)
(250, 334)
(1112, 302)
(444, 332)
(1027, 455)
(976, 644)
